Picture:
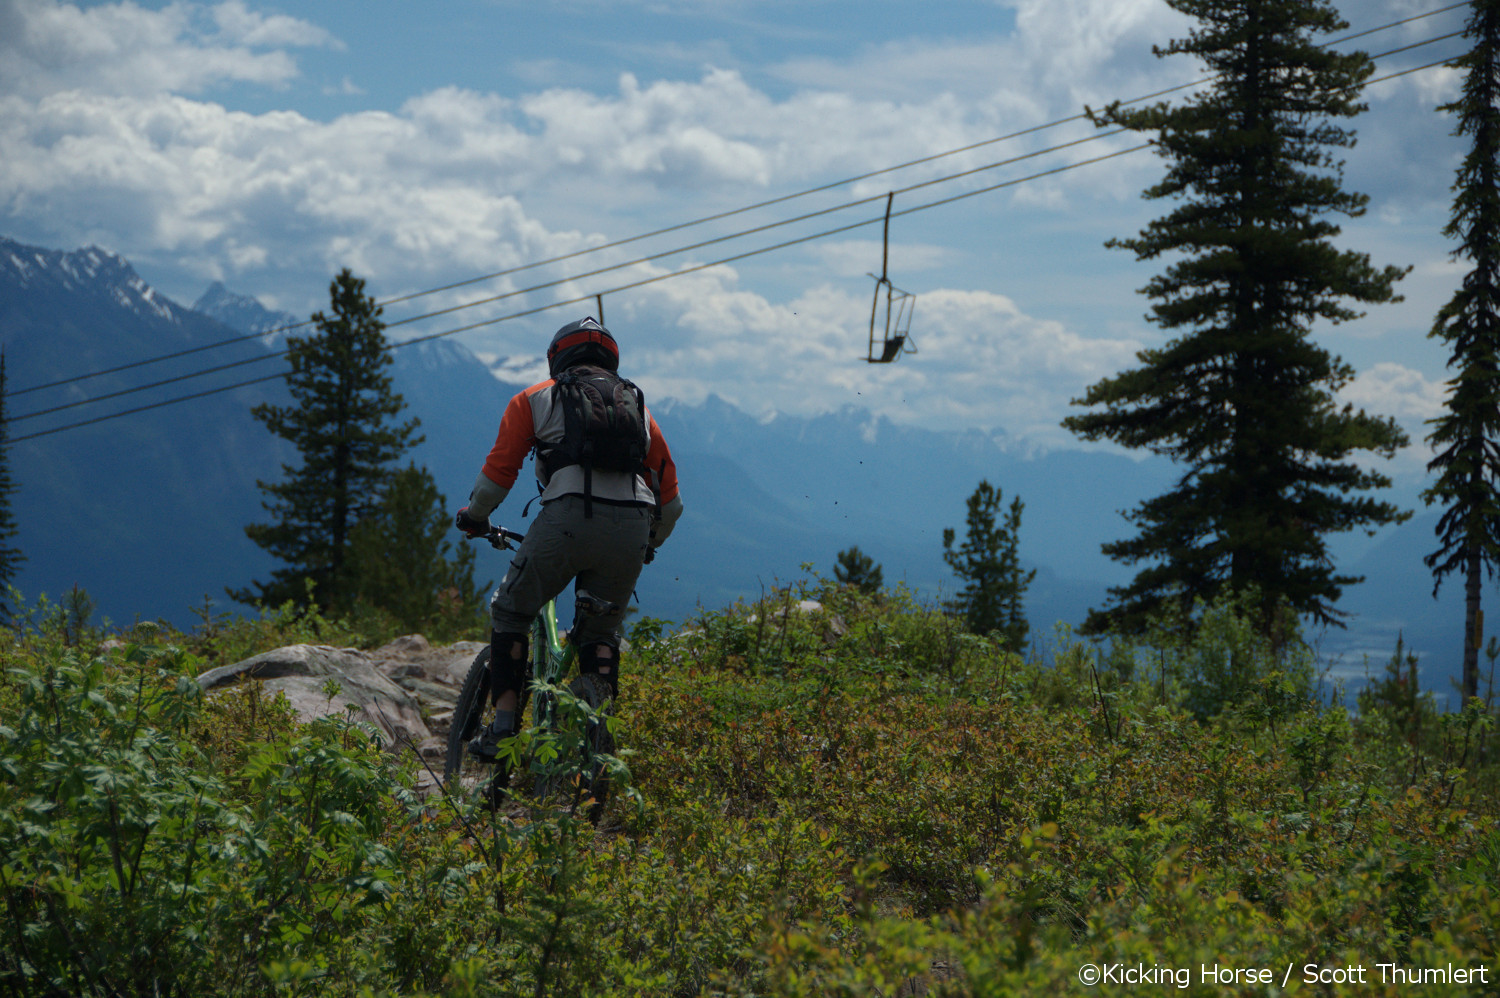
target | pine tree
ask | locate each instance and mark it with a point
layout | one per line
(989, 562)
(402, 561)
(11, 557)
(343, 425)
(1241, 397)
(1467, 460)
(857, 569)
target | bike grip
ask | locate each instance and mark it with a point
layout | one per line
(500, 538)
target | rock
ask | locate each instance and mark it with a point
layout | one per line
(400, 672)
(407, 645)
(434, 749)
(433, 695)
(302, 672)
(803, 607)
(833, 631)
(411, 657)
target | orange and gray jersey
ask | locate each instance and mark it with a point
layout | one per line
(533, 420)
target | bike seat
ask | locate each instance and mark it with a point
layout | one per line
(587, 603)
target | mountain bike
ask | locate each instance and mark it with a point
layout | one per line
(552, 656)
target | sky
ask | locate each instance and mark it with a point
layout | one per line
(423, 145)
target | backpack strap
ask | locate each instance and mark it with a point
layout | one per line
(586, 453)
(527, 508)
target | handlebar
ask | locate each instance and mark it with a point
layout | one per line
(500, 538)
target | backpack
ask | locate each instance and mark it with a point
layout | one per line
(605, 426)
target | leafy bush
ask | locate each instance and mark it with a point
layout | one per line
(853, 799)
(1222, 656)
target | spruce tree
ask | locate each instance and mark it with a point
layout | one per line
(989, 561)
(1467, 458)
(402, 561)
(11, 557)
(1242, 398)
(343, 424)
(857, 569)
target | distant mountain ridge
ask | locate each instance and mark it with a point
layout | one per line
(245, 314)
(147, 511)
(89, 272)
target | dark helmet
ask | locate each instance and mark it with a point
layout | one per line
(582, 342)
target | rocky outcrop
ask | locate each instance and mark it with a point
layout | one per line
(404, 690)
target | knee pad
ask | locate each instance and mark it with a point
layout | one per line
(507, 672)
(589, 661)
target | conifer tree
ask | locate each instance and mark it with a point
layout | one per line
(343, 424)
(1466, 438)
(857, 569)
(1242, 398)
(11, 557)
(989, 561)
(403, 562)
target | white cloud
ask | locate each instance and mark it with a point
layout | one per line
(46, 47)
(1390, 389)
(1411, 398)
(237, 23)
(1060, 54)
(101, 141)
(345, 88)
(430, 188)
(980, 361)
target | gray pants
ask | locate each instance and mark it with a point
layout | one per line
(604, 553)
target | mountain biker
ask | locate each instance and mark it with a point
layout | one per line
(595, 525)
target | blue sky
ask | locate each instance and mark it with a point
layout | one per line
(422, 144)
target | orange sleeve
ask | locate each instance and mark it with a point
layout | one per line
(659, 462)
(514, 441)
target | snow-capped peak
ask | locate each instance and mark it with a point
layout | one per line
(88, 270)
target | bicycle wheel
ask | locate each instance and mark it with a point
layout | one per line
(468, 712)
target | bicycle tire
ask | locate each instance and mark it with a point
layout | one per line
(467, 714)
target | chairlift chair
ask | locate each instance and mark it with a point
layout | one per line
(895, 336)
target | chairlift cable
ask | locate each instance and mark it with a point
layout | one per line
(570, 278)
(661, 277)
(655, 279)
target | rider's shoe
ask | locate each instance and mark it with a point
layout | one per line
(485, 746)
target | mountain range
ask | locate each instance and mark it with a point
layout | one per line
(147, 511)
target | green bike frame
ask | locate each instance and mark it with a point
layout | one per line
(551, 655)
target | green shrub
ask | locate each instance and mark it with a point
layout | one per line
(1222, 655)
(853, 800)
